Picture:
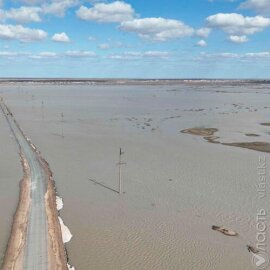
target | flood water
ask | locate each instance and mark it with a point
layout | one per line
(176, 186)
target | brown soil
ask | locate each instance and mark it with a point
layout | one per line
(201, 131)
(56, 248)
(224, 231)
(208, 135)
(252, 135)
(258, 146)
(14, 252)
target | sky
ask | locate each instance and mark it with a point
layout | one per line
(135, 38)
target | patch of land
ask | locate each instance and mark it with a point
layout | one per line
(257, 146)
(201, 131)
(208, 133)
(57, 256)
(56, 249)
(225, 231)
(252, 135)
(14, 253)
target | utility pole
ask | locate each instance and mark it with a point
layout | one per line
(120, 170)
(62, 121)
(33, 99)
(42, 109)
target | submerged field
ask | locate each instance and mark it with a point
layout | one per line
(177, 185)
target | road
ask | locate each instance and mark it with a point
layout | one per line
(36, 247)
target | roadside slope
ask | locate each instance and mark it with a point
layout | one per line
(36, 241)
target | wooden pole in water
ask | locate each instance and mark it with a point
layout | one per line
(42, 109)
(33, 97)
(120, 171)
(62, 121)
(120, 174)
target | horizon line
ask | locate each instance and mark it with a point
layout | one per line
(128, 79)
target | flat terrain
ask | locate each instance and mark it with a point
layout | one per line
(177, 185)
(11, 174)
(29, 246)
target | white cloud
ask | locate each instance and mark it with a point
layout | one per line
(237, 24)
(203, 32)
(228, 55)
(156, 54)
(8, 54)
(117, 11)
(158, 29)
(140, 55)
(225, 56)
(27, 14)
(133, 54)
(18, 32)
(61, 37)
(238, 39)
(43, 55)
(260, 6)
(48, 54)
(218, 56)
(32, 2)
(258, 55)
(12, 54)
(104, 46)
(111, 45)
(201, 43)
(22, 14)
(80, 54)
(59, 7)
(116, 57)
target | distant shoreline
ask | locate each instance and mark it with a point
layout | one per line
(117, 81)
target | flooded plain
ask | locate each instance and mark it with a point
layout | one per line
(176, 185)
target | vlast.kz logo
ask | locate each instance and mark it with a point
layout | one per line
(260, 257)
(260, 260)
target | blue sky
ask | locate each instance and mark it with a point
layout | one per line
(135, 38)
